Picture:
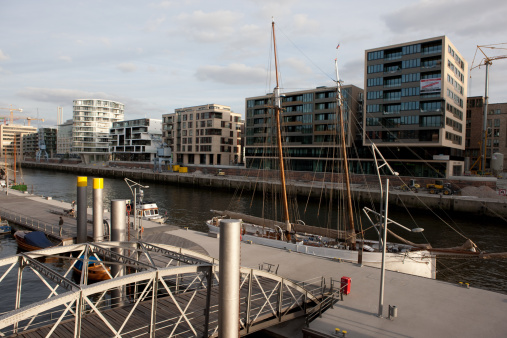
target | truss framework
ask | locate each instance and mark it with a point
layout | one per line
(171, 291)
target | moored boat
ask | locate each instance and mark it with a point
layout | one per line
(32, 240)
(146, 210)
(341, 243)
(96, 270)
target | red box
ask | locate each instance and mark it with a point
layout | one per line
(345, 284)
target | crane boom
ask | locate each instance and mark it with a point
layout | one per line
(12, 110)
(486, 61)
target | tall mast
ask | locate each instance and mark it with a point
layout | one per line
(351, 233)
(278, 108)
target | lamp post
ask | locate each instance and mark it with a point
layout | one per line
(384, 242)
(131, 184)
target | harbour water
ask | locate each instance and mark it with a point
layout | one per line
(190, 207)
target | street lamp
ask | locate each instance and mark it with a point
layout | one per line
(385, 221)
(131, 184)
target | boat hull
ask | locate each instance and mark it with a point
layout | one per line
(22, 244)
(96, 273)
(419, 263)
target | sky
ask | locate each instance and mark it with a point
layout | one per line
(157, 56)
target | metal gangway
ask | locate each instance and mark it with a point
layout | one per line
(158, 290)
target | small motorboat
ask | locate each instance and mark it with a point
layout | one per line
(32, 240)
(5, 228)
(96, 272)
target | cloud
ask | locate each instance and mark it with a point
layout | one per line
(127, 67)
(232, 74)
(164, 4)
(304, 26)
(297, 66)
(3, 56)
(153, 24)
(208, 27)
(60, 96)
(65, 58)
(448, 17)
(270, 8)
(105, 41)
(65, 97)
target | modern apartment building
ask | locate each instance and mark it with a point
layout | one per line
(13, 137)
(310, 128)
(93, 119)
(496, 139)
(415, 97)
(135, 140)
(40, 144)
(64, 138)
(208, 135)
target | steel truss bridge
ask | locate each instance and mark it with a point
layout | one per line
(160, 290)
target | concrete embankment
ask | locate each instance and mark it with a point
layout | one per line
(362, 193)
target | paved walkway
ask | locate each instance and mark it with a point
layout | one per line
(426, 307)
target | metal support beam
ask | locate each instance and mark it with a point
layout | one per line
(228, 296)
(384, 240)
(248, 321)
(485, 121)
(82, 233)
(118, 227)
(154, 305)
(209, 285)
(49, 273)
(98, 210)
(174, 255)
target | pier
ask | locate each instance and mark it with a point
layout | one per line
(362, 193)
(425, 307)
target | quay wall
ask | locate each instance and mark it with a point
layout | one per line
(364, 190)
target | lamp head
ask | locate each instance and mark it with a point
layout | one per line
(417, 230)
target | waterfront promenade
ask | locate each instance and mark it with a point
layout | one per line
(365, 192)
(425, 307)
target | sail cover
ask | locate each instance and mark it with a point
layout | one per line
(38, 239)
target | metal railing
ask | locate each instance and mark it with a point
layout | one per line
(31, 222)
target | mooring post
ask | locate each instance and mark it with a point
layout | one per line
(118, 229)
(98, 210)
(228, 291)
(82, 233)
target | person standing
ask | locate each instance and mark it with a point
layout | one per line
(61, 225)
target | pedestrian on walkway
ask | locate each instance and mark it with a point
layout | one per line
(61, 225)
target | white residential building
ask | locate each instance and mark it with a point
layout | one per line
(135, 140)
(93, 119)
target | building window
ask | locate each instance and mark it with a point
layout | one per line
(375, 69)
(412, 49)
(376, 55)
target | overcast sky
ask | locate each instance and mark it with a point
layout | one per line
(156, 56)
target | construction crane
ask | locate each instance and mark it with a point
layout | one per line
(29, 119)
(14, 117)
(487, 61)
(12, 111)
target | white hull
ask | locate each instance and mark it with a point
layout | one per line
(419, 263)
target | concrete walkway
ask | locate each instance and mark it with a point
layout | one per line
(426, 307)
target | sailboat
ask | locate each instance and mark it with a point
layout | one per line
(407, 257)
